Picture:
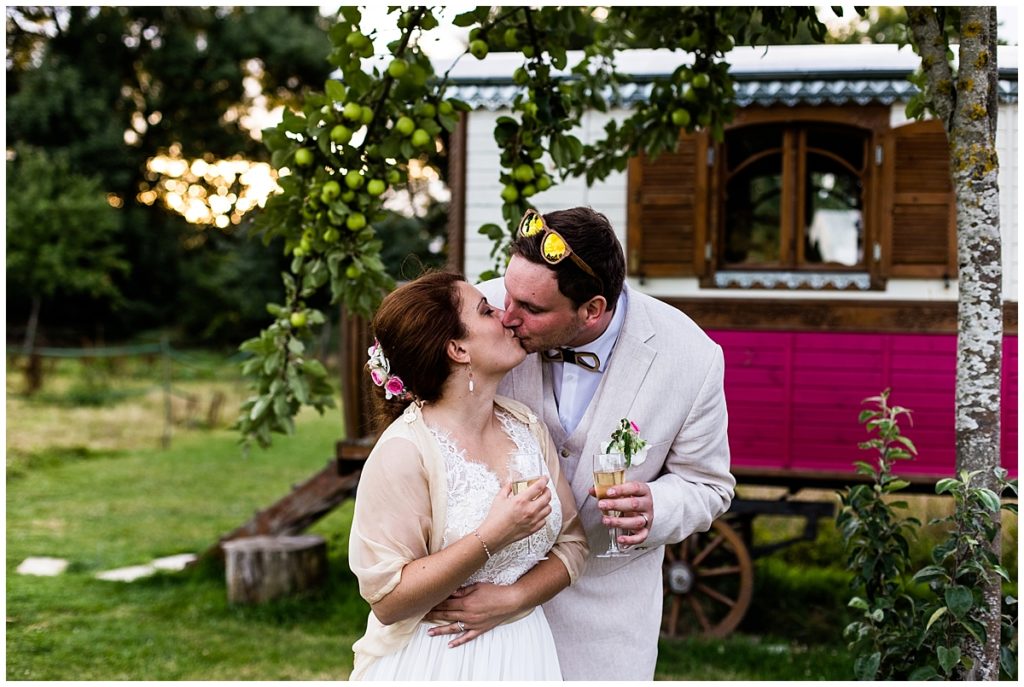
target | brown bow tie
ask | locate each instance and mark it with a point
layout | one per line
(585, 359)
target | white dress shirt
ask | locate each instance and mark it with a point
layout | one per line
(575, 386)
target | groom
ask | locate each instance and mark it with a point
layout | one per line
(602, 352)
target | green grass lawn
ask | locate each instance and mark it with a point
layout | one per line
(111, 510)
(121, 501)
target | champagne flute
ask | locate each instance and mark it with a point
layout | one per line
(610, 471)
(524, 468)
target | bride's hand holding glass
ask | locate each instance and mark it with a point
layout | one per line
(516, 516)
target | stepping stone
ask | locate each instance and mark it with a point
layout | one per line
(132, 572)
(177, 562)
(42, 566)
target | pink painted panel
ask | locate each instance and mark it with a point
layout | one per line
(794, 397)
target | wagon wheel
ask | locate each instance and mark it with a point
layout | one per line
(708, 582)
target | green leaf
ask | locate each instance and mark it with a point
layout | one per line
(866, 667)
(948, 658)
(930, 572)
(959, 599)
(335, 91)
(858, 603)
(988, 499)
(259, 407)
(946, 485)
(935, 616)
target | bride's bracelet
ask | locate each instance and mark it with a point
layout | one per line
(486, 550)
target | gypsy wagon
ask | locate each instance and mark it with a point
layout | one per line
(815, 243)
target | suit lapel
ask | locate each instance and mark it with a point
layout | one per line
(528, 384)
(627, 368)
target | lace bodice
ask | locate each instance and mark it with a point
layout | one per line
(472, 487)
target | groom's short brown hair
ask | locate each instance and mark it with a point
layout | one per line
(592, 239)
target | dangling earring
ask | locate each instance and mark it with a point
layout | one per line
(471, 378)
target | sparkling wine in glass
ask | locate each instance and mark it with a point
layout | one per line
(524, 468)
(610, 471)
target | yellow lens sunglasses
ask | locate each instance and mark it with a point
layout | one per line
(553, 246)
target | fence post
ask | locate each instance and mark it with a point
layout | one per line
(165, 365)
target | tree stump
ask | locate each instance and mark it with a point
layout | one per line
(262, 568)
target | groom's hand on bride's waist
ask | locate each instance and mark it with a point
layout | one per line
(636, 506)
(479, 607)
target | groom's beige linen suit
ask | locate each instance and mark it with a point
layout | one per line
(666, 375)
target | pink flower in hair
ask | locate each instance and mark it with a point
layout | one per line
(394, 387)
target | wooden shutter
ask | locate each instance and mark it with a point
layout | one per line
(667, 220)
(918, 237)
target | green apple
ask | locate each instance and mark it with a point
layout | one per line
(341, 134)
(405, 126)
(393, 176)
(330, 191)
(701, 81)
(511, 38)
(528, 51)
(331, 235)
(354, 179)
(398, 68)
(303, 157)
(421, 139)
(298, 319)
(510, 194)
(446, 108)
(523, 172)
(375, 187)
(543, 182)
(352, 112)
(355, 221)
(353, 271)
(348, 196)
(478, 48)
(426, 110)
(356, 40)
(680, 117)
(529, 190)
(365, 114)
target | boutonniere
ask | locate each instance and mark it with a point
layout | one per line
(626, 440)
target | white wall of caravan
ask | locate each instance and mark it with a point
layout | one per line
(483, 206)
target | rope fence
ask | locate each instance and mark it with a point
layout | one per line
(167, 355)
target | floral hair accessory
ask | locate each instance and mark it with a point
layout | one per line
(380, 372)
(626, 440)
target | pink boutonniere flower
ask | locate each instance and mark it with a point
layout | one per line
(626, 440)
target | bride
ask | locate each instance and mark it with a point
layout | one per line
(434, 510)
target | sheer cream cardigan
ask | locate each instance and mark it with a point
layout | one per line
(400, 516)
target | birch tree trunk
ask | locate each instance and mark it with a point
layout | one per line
(969, 107)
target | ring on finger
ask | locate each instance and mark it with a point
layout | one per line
(647, 523)
(462, 626)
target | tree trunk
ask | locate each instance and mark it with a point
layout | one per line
(969, 109)
(975, 168)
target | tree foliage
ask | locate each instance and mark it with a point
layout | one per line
(59, 230)
(356, 137)
(913, 624)
(108, 88)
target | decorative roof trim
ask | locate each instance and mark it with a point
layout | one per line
(775, 92)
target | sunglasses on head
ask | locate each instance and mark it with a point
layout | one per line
(553, 246)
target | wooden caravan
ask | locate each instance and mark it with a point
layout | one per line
(816, 243)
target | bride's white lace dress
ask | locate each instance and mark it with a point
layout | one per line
(521, 650)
